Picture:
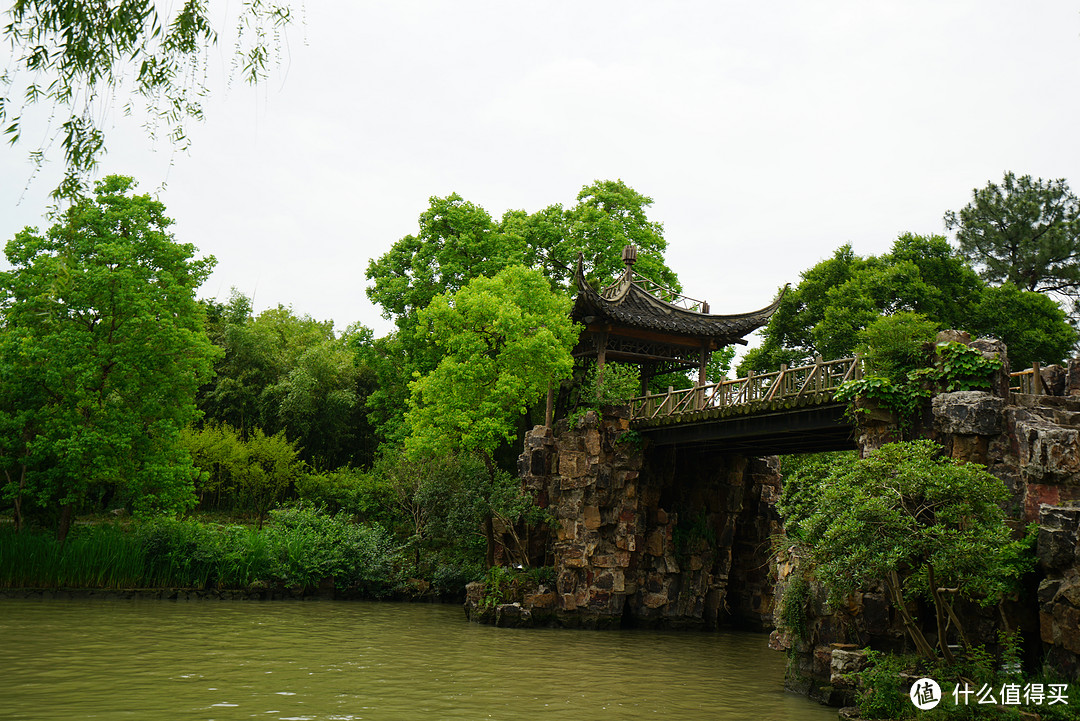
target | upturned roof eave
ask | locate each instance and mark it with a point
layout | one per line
(634, 306)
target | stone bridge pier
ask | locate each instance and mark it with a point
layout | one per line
(667, 537)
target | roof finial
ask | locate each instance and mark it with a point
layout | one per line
(629, 255)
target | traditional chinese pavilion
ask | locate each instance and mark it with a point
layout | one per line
(635, 320)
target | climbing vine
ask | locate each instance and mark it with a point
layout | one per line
(955, 367)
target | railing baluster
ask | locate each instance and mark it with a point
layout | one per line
(820, 377)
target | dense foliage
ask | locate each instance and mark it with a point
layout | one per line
(505, 340)
(910, 518)
(903, 372)
(158, 403)
(287, 374)
(102, 350)
(299, 548)
(458, 241)
(846, 293)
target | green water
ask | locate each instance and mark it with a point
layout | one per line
(388, 662)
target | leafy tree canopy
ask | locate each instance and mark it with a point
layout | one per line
(459, 241)
(280, 372)
(844, 294)
(1025, 232)
(79, 55)
(101, 351)
(504, 339)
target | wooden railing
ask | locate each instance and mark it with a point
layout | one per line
(1029, 381)
(821, 377)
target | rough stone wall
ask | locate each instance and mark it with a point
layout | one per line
(1059, 591)
(640, 537)
(709, 520)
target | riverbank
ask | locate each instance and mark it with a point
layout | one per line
(301, 553)
(325, 592)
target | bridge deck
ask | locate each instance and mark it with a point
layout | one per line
(790, 411)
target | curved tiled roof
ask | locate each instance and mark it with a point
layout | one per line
(631, 305)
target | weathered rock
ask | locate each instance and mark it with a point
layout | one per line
(512, 615)
(1047, 452)
(1054, 378)
(1059, 593)
(953, 336)
(540, 600)
(654, 543)
(994, 348)
(654, 600)
(968, 413)
(1072, 377)
(846, 659)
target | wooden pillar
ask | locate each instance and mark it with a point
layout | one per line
(699, 394)
(601, 355)
(549, 411)
(1036, 379)
(644, 379)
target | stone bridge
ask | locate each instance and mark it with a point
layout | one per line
(648, 529)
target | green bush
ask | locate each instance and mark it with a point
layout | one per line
(954, 367)
(301, 548)
(881, 695)
(345, 489)
(802, 482)
(451, 577)
(615, 386)
(791, 615)
(894, 344)
(311, 545)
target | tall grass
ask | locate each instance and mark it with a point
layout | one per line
(300, 547)
(93, 557)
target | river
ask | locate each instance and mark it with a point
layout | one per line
(282, 660)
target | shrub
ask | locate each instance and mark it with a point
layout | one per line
(311, 545)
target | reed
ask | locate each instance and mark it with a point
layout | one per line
(303, 547)
(94, 557)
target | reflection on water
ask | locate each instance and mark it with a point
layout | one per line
(346, 660)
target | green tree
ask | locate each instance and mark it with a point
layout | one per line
(101, 326)
(255, 474)
(1033, 325)
(79, 55)
(1025, 232)
(894, 345)
(911, 518)
(283, 372)
(609, 215)
(504, 340)
(265, 471)
(458, 241)
(844, 294)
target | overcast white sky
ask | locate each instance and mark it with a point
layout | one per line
(767, 133)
